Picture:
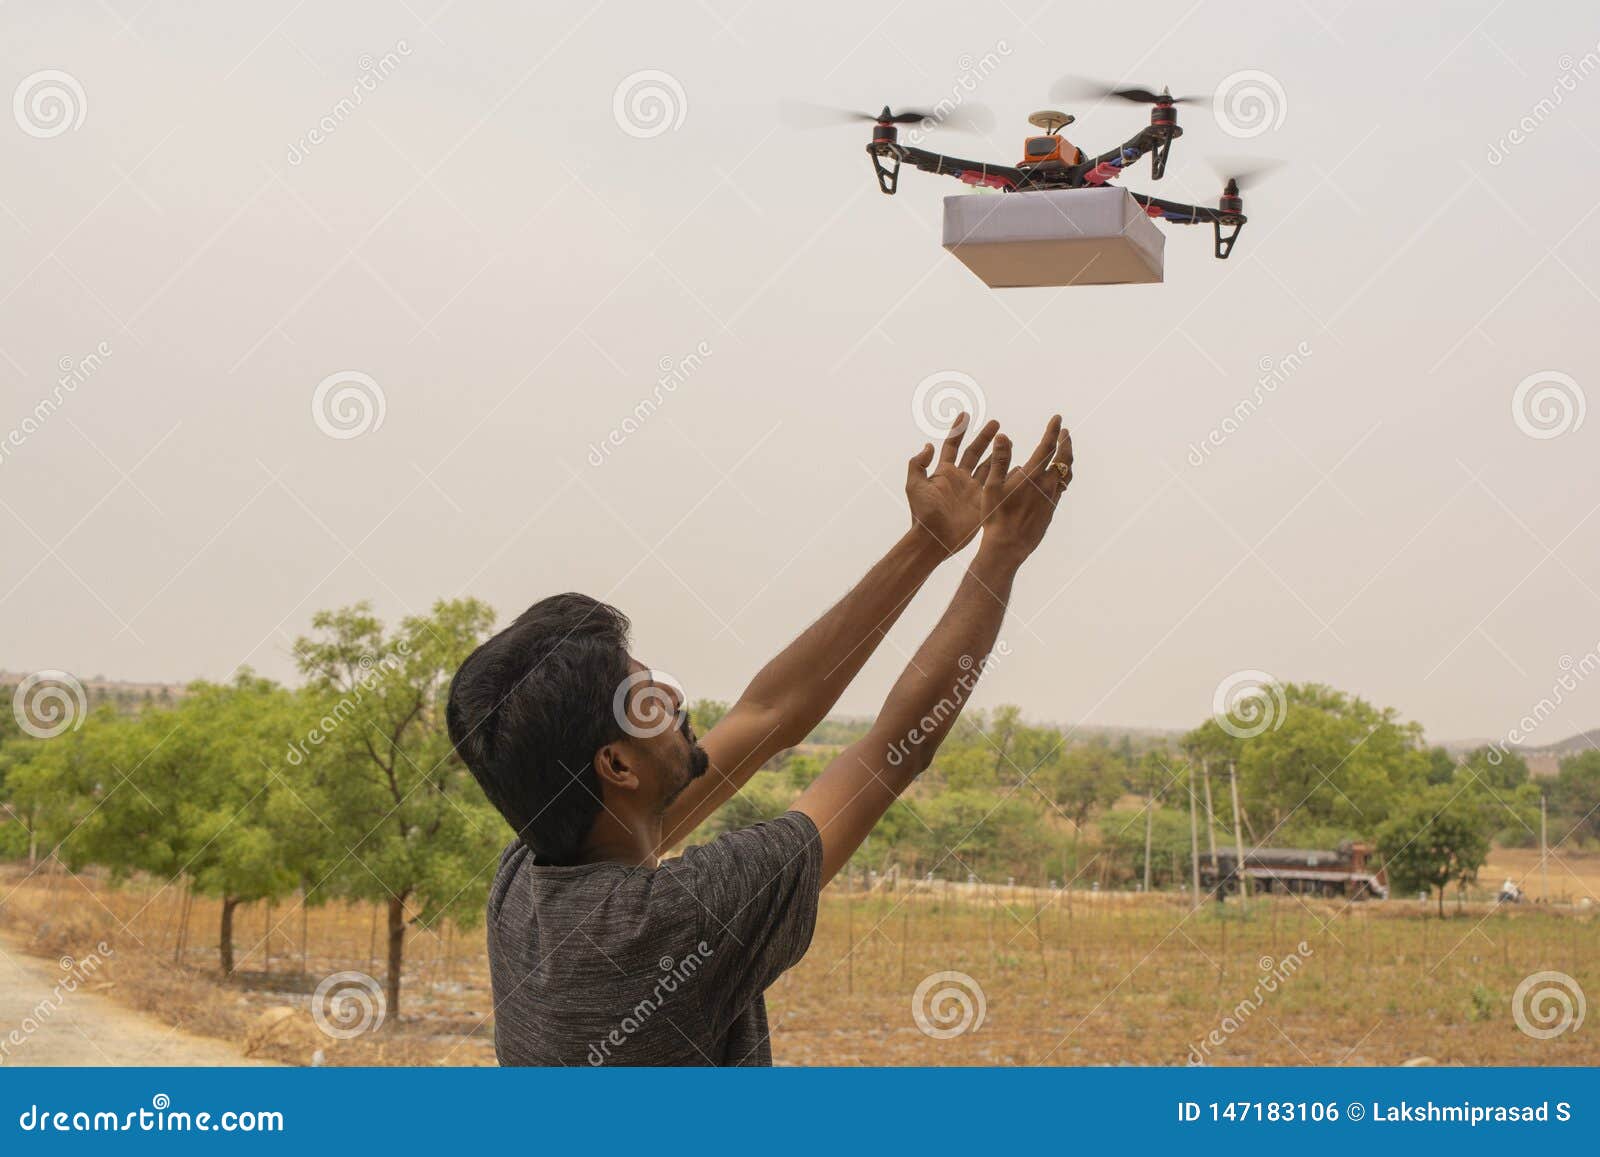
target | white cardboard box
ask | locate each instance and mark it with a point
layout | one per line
(1054, 237)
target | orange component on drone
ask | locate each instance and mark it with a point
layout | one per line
(1046, 150)
(1052, 149)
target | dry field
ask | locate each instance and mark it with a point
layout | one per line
(1572, 875)
(1111, 978)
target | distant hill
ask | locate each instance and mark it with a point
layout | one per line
(1574, 745)
(99, 689)
(1543, 761)
(837, 730)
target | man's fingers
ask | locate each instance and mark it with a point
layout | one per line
(1040, 458)
(1059, 471)
(952, 440)
(974, 451)
(982, 472)
(1064, 455)
(999, 462)
(918, 466)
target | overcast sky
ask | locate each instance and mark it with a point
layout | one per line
(200, 216)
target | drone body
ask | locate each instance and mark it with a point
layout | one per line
(1051, 162)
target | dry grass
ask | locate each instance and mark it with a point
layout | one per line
(445, 996)
(1139, 980)
(1573, 875)
(1117, 979)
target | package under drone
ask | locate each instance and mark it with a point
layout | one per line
(1054, 237)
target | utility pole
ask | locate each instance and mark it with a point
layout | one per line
(1194, 844)
(1149, 821)
(1211, 815)
(1544, 848)
(1238, 837)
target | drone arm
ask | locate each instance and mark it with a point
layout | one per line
(1154, 141)
(1124, 154)
(971, 172)
(1181, 214)
(1177, 212)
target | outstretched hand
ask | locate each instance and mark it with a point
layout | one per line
(947, 504)
(1018, 504)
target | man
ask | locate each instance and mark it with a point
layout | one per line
(600, 951)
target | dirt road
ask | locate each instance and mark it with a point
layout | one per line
(85, 1028)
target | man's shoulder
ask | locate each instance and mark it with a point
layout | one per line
(790, 840)
(745, 861)
(611, 896)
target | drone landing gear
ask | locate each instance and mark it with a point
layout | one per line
(1225, 242)
(1158, 159)
(888, 175)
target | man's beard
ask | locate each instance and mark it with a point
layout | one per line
(694, 765)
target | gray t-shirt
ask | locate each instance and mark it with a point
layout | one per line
(606, 964)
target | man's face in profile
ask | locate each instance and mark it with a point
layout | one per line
(651, 709)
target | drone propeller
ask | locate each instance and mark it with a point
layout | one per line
(1079, 88)
(965, 117)
(1244, 174)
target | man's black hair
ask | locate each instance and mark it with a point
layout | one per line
(529, 709)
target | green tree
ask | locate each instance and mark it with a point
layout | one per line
(1320, 761)
(1438, 835)
(992, 834)
(1080, 780)
(1575, 798)
(180, 791)
(1441, 766)
(1510, 796)
(95, 797)
(1122, 838)
(415, 828)
(17, 748)
(706, 714)
(767, 794)
(1502, 770)
(239, 815)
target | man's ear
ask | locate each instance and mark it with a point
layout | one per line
(614, 765)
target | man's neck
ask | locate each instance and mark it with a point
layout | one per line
(630, 840)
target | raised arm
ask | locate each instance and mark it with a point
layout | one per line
(854, 791)
(792, 693)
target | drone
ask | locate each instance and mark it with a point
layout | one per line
(1050, 161)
